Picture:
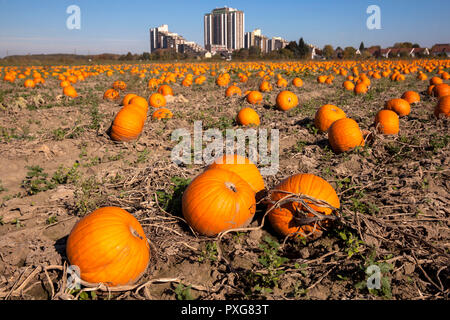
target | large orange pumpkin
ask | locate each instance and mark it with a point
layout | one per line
(254, 97)
(411, 97)
(243, 167)
(387, 122)
(111, 94)
(218, 200)
(157, 100)
(344, 134)
(286, 219)
(233, 90)
(165, 90)
(127, 98)
(109, 246)
(441, 90)
(70, 91)
(286, 100)
(400, 106)
(443, 107)
(326, 115)
(127, 125)
(247, 116)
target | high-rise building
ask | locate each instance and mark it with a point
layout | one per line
(256, 38)
(224, 28)
(161, 38)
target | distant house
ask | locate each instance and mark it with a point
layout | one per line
(385, 52)
(440, 49)
(419, 52)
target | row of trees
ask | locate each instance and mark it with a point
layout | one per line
(294, 50)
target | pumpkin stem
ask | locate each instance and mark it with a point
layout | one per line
(231, 186)
(135, 233)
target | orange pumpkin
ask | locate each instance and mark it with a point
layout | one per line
(443, 107)
(348, 85)
(265, 86)
(70, 92)
(441, 90)
(119, 85)
(109, 246)
(360, 88)
(29, 83)
(344, 134)
(218, 200)
(326, 115)
(411, 97)
(387, 122)
(297, 82)
(157, 100)
(400, 106)
(436, 80)
(233, 90)
(127, 125)
(286, 100)
(254, 97)
(162, 113)
(127, 98)
(111, 94)
(243, 167)
(247, 116)
(165, 90)
(285, 219)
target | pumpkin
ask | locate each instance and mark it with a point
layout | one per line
(157, 100)
(165, 90)
(64, 83)
(127, 125)
(387, 122)
(348, 85)
(162, 113)
(326, 115)
(443, 107)
(254, 97)
(441, 90)
(286, 219)
(282, 83)
(297, 82)
(265, 86)
(436, 80)
(344, 134)
(243, 167)
(119, 85)
(360, 88)
(286, 100)
(111, 94)
(109, 246)
(127, 98)
(139, 101)
(70, 91)
(138, 109)
(400, 106)
(411, 97)
(218, 200)
(247, 116)
(29, 83)
(233, 90)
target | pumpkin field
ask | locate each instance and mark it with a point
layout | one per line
(88, 185)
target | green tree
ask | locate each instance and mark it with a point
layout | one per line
(328, 51)
(303, 48)
(349, 52)
(254, 52)
(361, 47)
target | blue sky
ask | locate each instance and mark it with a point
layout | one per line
(119, 26)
